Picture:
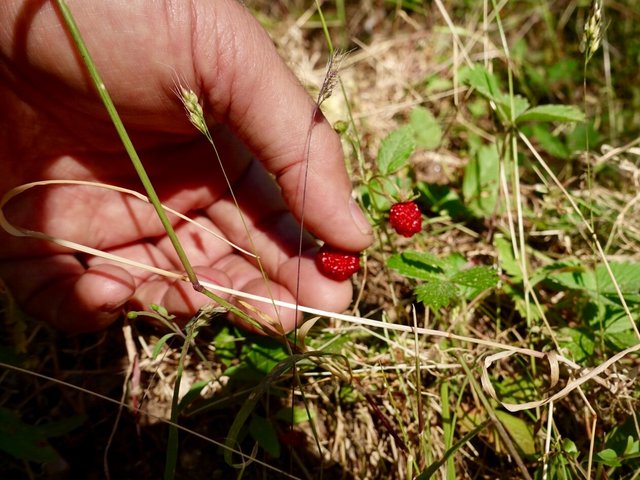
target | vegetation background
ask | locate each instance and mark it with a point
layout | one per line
(516, 127)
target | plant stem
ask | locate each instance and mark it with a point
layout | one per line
(125, 139)
(137, 164)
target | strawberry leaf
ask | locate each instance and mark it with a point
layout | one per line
(478, 278)
(552, 113)
(436, 293)
(416, 264)
(484, 82)
(426, 129)
(395, 150)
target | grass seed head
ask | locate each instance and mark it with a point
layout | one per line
(592, 34)
(194, 109)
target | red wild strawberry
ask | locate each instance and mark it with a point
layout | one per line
(337, 264)
(405, 218)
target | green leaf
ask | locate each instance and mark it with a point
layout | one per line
(552, 113)
(507, 260)
(481, 182)
(627, 275)
(484, 82)
(580, 342)
(520, 105)
(159, 344)
(426, 129)
(442, 199)
(479, 278)
(395, 150)
(550, 143)
(264, 354)
(583, 135)
(375, 189)
(160, 309)
(623, 439)
(453, 263)
(436, 293)
(263, 432)
(432, 469)
(192, 394)
(570, 275)
(414, 264)
(295, 415)
(608, 457)
(519, 430)
(29, 442)
(226, 346)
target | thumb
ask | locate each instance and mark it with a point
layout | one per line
(252, 90)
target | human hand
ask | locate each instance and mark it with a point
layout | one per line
(53, 126)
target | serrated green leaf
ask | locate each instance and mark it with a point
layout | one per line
(436, 293)
(264, 354)
(570, 275)
(414, 264)
(159, 344)
(265, 434)
(552, 113)
(395, 150)
(519, 430)
(453, 263)
(427, 131)
(627, 275)
(479, 278)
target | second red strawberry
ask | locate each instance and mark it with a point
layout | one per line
(405, 218)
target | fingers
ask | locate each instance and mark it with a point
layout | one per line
(61, 291)
(178, 297)
(271, 112)
(292, 281)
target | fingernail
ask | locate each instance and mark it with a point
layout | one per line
(359, 219)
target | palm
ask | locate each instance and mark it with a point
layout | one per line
(63, 132)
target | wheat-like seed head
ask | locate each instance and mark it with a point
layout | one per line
(592, 34)
(194, 109)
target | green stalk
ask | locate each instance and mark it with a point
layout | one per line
(137, 163)
(325, 27)
(124, 138)
(172, 443)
